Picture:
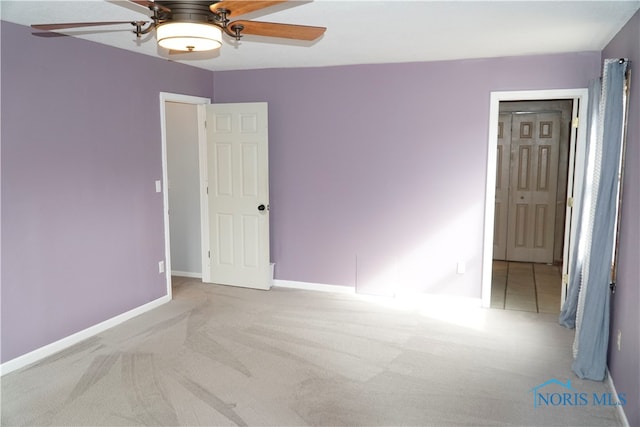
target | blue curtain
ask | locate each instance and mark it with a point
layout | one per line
(592, 312)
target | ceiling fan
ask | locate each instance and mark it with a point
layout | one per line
(194, 26)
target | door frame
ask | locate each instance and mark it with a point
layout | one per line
(200, 102)
(577, 145)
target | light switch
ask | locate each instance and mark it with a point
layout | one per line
(158, 186)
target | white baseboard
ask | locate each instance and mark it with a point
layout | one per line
(307, 286)
(441, 300)
(186, 274)
(54, 347)
(462, 302)
(619, 408)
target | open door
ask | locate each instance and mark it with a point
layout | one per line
(577, 163)
(237, 195)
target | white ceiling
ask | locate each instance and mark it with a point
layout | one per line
(364, 32)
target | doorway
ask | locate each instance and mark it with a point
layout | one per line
(531, 180)
(172, 100)
(576, 97)
(233, 243)
(183, 180)
(531, 187)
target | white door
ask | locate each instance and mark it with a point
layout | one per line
(532, 192)
(577, 163)
(238, 194)
(502, 188)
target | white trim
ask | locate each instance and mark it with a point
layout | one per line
(204, 196)
(190, 274)
(619, 408)
(66, 342)
(490, 190)
(440, 300)
(307, 286)
(185, 99)
(409, 296)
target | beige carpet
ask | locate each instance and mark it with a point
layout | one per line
(228, 356)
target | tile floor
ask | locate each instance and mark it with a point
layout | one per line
(526, 286)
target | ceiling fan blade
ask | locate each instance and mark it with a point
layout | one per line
(272, 29)
(151, 5)
(62, 26)
(241, 7)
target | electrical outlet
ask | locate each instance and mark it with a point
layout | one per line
(619, 339)
(462, 267)
(161, 267)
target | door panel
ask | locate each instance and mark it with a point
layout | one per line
(521, 224)
(237, 146)
(224, 242)
(532, 194)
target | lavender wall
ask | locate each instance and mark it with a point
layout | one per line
(82, 225)
(625, 364)
(376, 166)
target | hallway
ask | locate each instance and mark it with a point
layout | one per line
(526, 287)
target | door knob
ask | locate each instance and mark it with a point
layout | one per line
(261, 207)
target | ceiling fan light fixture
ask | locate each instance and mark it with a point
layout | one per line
(189, 36)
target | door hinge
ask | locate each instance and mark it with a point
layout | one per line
(570, 202)
(575, 122)
(205, 123)
(208, 254)
(565, 279)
